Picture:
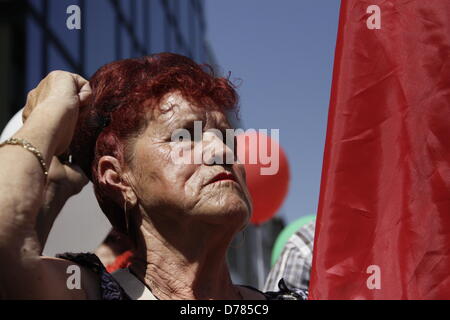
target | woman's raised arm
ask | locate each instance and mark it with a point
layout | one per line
(51, 113)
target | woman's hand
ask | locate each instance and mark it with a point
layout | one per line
(56, 102)
(59, 96)
(50, 117)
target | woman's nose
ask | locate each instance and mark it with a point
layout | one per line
(217, 149)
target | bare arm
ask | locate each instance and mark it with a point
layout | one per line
(64, 181)
(49, 127)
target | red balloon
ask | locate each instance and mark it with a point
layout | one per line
(267, 173)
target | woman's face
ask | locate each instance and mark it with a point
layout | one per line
(210, 192)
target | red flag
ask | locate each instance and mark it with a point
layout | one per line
(383, 228)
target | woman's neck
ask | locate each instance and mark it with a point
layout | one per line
(184, 261)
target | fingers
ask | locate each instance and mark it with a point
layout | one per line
(67, 84)
(56, 80)
(55, 105)
(85, 93)
(79, 80)
(83, 87)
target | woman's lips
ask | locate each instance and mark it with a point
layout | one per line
(222, 177)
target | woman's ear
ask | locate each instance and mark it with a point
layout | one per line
(111, 174)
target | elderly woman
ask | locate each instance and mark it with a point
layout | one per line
(180, 217)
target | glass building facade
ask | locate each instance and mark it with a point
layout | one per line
(111, 30)
(35, 39)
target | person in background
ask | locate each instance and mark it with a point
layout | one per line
(294, 263)
(115, 251)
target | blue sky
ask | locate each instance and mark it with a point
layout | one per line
(283, 51)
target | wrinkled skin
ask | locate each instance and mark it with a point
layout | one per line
(183, 223)
(182, 189)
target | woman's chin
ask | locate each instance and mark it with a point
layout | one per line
(235, 213)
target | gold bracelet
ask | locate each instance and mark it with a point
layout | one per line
(28, 146)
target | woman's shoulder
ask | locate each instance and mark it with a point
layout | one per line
(109, 287)
(284, 293)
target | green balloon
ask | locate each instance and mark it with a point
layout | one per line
(287, 232)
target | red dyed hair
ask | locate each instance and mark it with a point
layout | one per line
(123, 94)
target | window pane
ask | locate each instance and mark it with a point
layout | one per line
(127, 51)
(142, 26)
(57, 20)
(34, 54)
(38, 5)
(157, 25)
(124, 5)
(184, 21)
(56, 61)
(100, 34)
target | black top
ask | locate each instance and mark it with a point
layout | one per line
(111, 290)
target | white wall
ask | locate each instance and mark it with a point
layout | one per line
(80, 227)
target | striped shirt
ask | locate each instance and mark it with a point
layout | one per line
(294, 263)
